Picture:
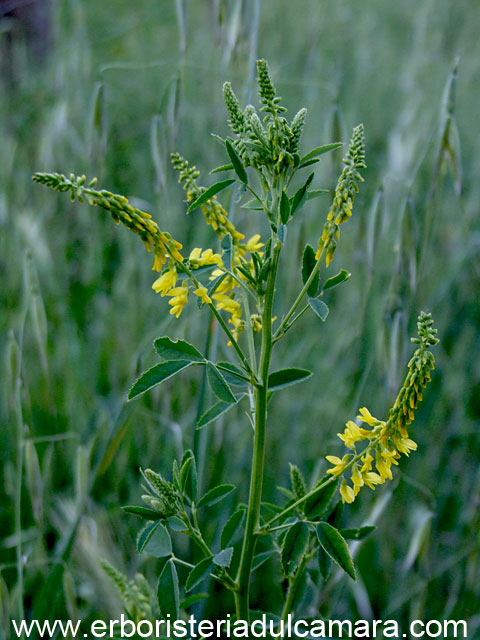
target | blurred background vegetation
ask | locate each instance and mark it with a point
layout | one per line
(122, 87)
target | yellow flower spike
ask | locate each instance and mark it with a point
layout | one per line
(339, 464)
(202, 293)
(347, 493)
(165, 282)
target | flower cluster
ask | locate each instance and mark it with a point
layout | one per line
(163, 498)
(135, 593)
(387, 439)
(272, 142)
(163, 245)
(345, 192)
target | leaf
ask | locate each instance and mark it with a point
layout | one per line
(191, 487)
(335, 280)
(176, 524)
(158, 543)
(199, 572)
(143, 512)
(236, 162)
(223, 167)
(334, 544)
(144, 535)
(253, 205)
(218, 410)
(168, 592)
(301, 195)
(317, 504)
(358, 534)
(184, 473)
(227, 251)
(315, 193)
(232, 527)
(261, 558)
(154, 376)
(209, 193)
(224, 558)
(324, 563)
(218, 384)
(318, 151)
(282, 233)
(294, 546)
(284, 208)
(319, 308)
(285, 377)
(215, 495)
(234, 375)
(191, 600)
(177, 350)
(308, 264)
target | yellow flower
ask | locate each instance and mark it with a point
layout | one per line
(202, 293)
(383, 468)
(366, 416)
(253, 244)
(347, 493)
(202, 258)
(165, 282)
(371, 479)
(227, 304)
(178, 301)
(357, 480)
(367, 460)
(352, 434)
(339, 464)
(404, 445)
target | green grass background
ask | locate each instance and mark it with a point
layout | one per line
(124, 86)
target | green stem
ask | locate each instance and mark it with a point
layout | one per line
(258, 463)
(284, 324)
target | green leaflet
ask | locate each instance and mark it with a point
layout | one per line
(317, 504)
(209, 193)
(218, 384)
(224, 557)
(335, 546)
(143, 512)
(168, 592)
(200, 572)
(318, 151)
(286, 377)
(215, 495)
(177, 350)
(218, 410)
(236, 162)
(232, 527)
(294, 547)
(155, 540)
(300, 196)
(319, 308)
(154, 376)
(341, 276)
(308, 264)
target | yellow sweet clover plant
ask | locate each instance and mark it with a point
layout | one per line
(237, 283)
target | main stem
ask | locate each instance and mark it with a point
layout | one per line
(258, 462)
